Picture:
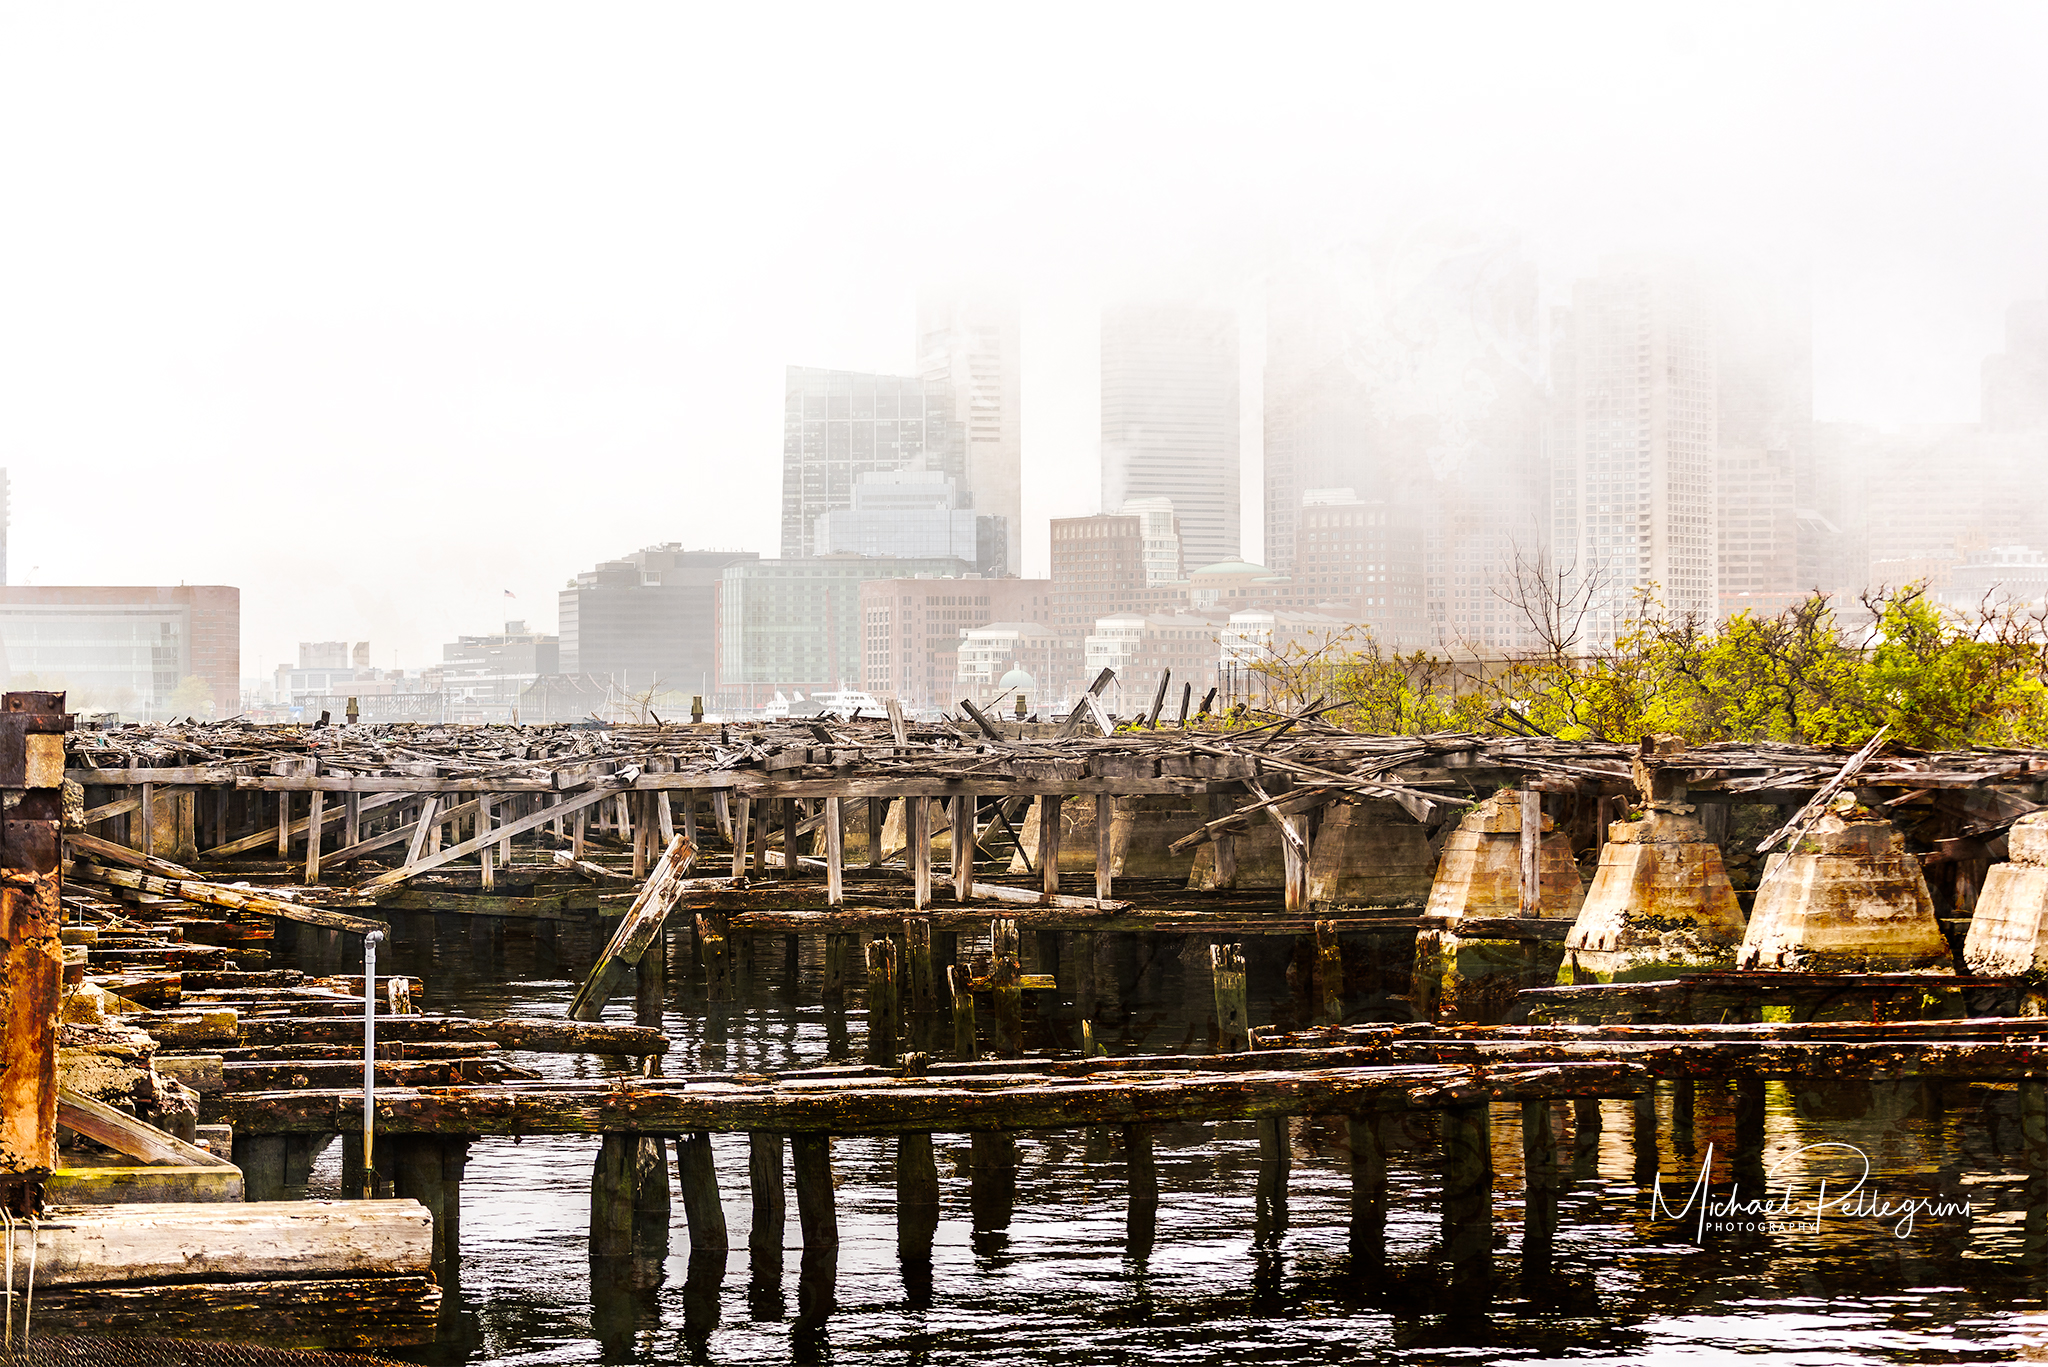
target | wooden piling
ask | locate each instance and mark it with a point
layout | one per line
(428, 1169)
(1683, 1092)
(917, 1194)
(835, 852)
(712, 943)
(1232, 1015)
(1541, 1185)
(764, 1178)
(1468, 1183)
(698, 1177)
(883, 1005)
(612, 1189)
(1006, 989)
(316, 819)
(917, 831)
(1531, 846)
(964, 847)
(650, 1195)
(1585, 1137)
(966, 1048)
(1105, 817)
(1276, 1161)
(1749, 1133)
(811, 1159)
(1329, 975)
(1643, 1133)
(878, 817)
(1141, 1181)
(742, 809)
(918, 977)
(1049, 805)
(837, 946)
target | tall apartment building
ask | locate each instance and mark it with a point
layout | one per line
(2016, 379)
(839, 425)
(912, 630)
(648, 620)
(1634, 443)
(124, 649)
(1407, 372)
(794, 625)
(1363, 560)
(1099, 566)
(1165, 562)
(1758, 527)
(967, 347)
(1169, 420)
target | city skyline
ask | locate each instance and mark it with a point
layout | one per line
(498, 278)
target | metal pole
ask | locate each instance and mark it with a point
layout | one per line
(370, 1062)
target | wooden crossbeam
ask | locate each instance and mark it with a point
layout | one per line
(296, 830)
(532, 821)
(398, 835)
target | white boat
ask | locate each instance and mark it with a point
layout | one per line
(842, 703)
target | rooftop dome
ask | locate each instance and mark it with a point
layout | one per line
(1231, 567)
(1018, 680)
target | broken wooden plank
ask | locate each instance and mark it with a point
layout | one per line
(658, 896)
(221, 895)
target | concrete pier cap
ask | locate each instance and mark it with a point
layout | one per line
(1847, 898)
(1660, 906)
(2009, 929)
(1480, 873)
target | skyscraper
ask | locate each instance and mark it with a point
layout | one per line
(1169, 420)
(2016, 379)
(1634, 445)
(839, 425)
(1406, 370)
(967, 347)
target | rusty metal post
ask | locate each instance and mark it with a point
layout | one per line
(32, 727)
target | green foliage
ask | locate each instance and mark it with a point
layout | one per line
(1940, 679)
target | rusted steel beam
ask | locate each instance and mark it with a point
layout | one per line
(32, 727)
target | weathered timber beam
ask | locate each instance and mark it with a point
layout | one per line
(534, 1036)
(125, 1134)
(218, 895)
(201, 774)
(915, 1105)
(83, 843)
(658, 896)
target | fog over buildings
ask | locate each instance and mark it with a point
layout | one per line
(726, 387)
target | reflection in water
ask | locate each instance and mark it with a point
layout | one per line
(1035, 1252)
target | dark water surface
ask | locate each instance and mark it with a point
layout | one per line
(1222, 1283)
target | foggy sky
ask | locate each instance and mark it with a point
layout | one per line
(379, 311)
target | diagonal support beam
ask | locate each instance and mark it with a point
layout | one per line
(641, 927)
(532, 821)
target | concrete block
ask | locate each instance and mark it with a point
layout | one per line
(1660, 906)
(1480, 873)
(1848, 899)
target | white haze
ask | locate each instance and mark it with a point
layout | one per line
(378, 311)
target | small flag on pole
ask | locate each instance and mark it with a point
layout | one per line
(510, 594)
